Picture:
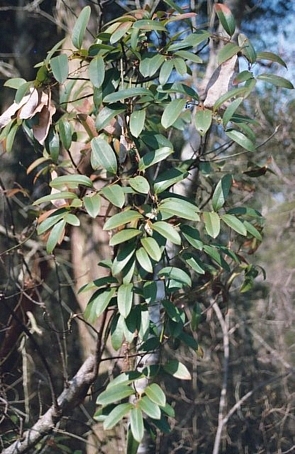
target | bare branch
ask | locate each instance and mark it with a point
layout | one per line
(70, 398)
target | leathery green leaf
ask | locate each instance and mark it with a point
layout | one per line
(60, 67)
(136, 423)
(153, 157)
(132, 444)
(168, 178)
(103, 155)
(230, 110)
(119, 219)
(92, 204)
(65, 133)
(152, 248)
(240, 139)
(125, 297)
(172, 112)
(116, 415)
(234, 223)
(167, 231)
(139, 184)
(136, 124)
(71, 182)
(203, 120)
(270, 56)
(177, 370)
(144, 260)
(278, 81)
(96, 71)
(79, 29)
(194, 263)
(149, 408)
(56, 235)
(114, 393)
(228, 51)
(165, 71)
(115, 194)
(226, 18)
(155, 394)
(150, 64)
(173, 206)
(192, 235)
(123, 257)
(212, 223)
(56, 196)
(98, 303)
(176, 274)
(124, 235)
(221, 192)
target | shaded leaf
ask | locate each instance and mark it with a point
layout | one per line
(278, 81)
(227, 52)
(144, 260)
(98, 303)
(221, 192)
(194, 263)
(203, 120)
(240, 139)
(169, 178)
(177, 274)
(150, 64)
(177, 370)
(102, 155)
(60, 68)
(139, 184)
(153, 157)
(270, 56)
(56, 235)
(192, 235)
(92, 204)
(136, 424)
(65, 133)
(136, 124)
(127, 93)
(226, 18)
(125, 297)
(96, 71)
(71, 182)
(165, 71)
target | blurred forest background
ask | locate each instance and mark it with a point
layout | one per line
(259, 325)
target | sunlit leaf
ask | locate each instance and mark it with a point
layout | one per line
(121, 30)
(136, 423)
(194, 263)
(98, 303)
(144, 260)
(177, 370)
(230, 110)
(172, 112)
(122, 218)
(153, 157)
(124, 235)
(212, 223)
(192, 235)
(203, 120)
(228, 51)
(71, 182)
(234, 223)
(168, 178)
(125, 297)
(114, 393)
(177, 274)
(116, 415)
(221, 192)
(167, 231)
(152, 248)
(150, 63)
(102, 155)
(270, 56)
(165, 71)
(123, 258)
(79, 29)
(56, 235)
(60, 68)
(127, 93)
(247, 48)
(137, 120)
(15, 82)
(139, 184)
(252, 230)
(115, 194)
(241, 139)
(92, 204)
(147, 24)
(56, 196)
(149, 408)
(226, 18)
(156, 394)
(96, 71)
(173, 206)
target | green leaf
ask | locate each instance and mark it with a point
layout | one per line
(119, 219)
(152, 248)
(120, 32)
(221, 192)
(228, 51)
(234, 223)
(117, 332)
(56, 235)
(169, 178)
(60, 68)
(79, 29)
(53, 145)
(124, 256)
(153, 157)
(92, 204)
(121, 95)
(278, 81)
(167, 231)
(172, 111)
(194, 39)
(194, 263)
(177, 370)
(270, 56)
(137, 120)
(72, 219)
(150, 63)
(71, 182)
(240, 139)
(123, 236)
(139, 184)
(230, 110)
(22, 91)
(147, 24)
(56, 196)
(125, 297)
(149, 408)
(144, 260)
(51, 220)
(96, 71)
(203, 120)
(15, 82)
(241, 91)
(155, 394)
(176, 274)
(191, 56)
(115, 194)
(180, 66)
(247, 48)
(9, 139)
(165, 71)
(100, 282)
(116, 415)
(252, 230)
(136, 424)
(173, 206)
(226, 18)
(212, 223)
(132, 444)
(114, 393)
(106, 115)
(102, 155)
(192, 235)
(98, 303)
(65, 133)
